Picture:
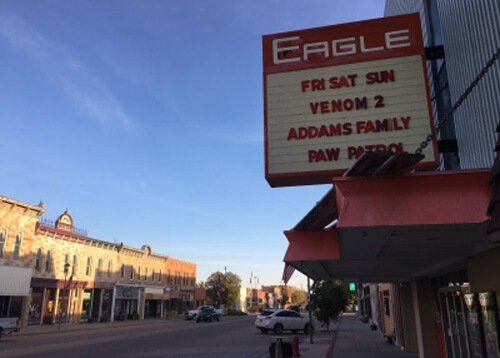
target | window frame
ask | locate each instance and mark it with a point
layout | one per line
(3, 241)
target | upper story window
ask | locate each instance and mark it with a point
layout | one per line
(131, 272)
(88, 267)
(38, 262)
(17, 246)
(153, 275)
(139, 273)
(48, 262)
(73, 268)
(99, 267)
(160, 276)
(122, 274)
(3, 237)
(109, 268)
(146, 275)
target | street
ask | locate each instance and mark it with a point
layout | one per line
(234, 337)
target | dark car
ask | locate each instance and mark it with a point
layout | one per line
(208, 314)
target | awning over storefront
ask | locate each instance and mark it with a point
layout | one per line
(15, 281)
(393, 227)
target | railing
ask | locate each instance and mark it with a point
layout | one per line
(52, 224)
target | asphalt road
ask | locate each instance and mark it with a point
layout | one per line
(233, 337)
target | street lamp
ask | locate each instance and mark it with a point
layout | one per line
(66, 270)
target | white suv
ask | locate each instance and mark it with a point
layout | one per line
(282, 320)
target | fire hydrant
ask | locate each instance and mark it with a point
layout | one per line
(295, 346)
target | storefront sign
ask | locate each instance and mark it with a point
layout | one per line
(333, 93)
(127, 293)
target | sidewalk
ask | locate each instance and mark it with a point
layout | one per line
(350, 338)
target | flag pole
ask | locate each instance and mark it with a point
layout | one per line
(309, 309)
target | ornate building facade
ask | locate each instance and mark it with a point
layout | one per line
(53, 272)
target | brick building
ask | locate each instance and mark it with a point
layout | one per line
(52, 272)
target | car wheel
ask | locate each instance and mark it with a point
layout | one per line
(264, 330)
(278, 328)
(218, 319)
(307, 328)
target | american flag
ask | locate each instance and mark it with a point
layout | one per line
(287, 273)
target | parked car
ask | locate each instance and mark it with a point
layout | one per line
(9, 325)
(192, 314)
(208, 314)
(282, 320)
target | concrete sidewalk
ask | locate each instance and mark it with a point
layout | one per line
(354, 339)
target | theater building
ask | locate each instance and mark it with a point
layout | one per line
(417, 229)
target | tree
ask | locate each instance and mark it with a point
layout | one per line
(283, 300)
(330, 298)
(222, 288)
(299, 297)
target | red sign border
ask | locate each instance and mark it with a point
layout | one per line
(407, 21)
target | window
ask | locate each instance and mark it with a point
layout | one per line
(87, 269)
(160, 276)
(109, 268)
(139, 273)
(17, 247)
(123, 271)
(153, 275)
(73, 268)
(48, 258)
(3, 236)
(66, 259)
(98, 269)
(131, 272)
(38, 262)
(146, 275)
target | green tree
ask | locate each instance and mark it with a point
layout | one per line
(299, 297)
(222, 288)
(329, 299)
(283, 300)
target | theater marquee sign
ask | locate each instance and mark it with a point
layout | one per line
(332, 93)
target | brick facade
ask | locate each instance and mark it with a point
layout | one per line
(89, 279)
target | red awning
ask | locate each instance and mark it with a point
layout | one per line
(394, 227)
(312, 245)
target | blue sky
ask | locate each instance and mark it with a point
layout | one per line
(145, 120)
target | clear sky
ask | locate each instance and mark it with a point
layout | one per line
(145, 120)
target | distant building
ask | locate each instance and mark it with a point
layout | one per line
(52, 272)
